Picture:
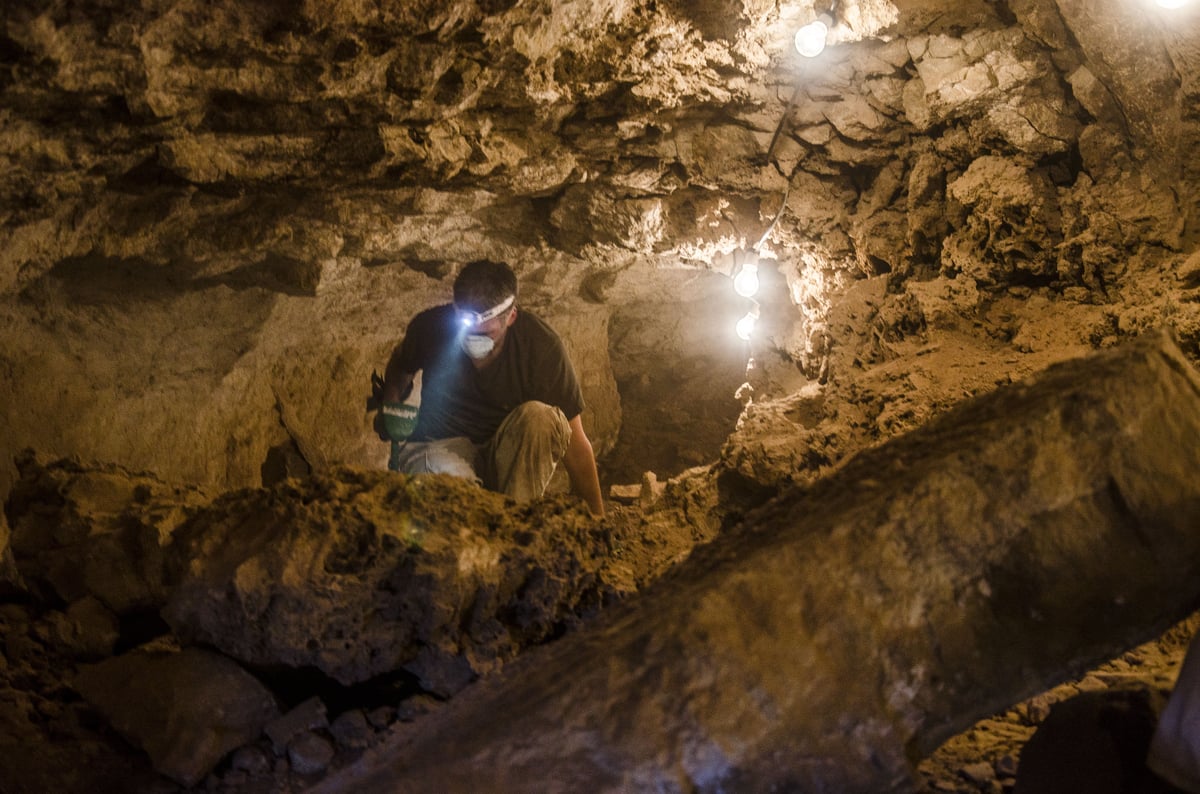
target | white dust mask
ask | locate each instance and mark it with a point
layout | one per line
(478, 346)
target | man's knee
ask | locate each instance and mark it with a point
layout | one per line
(534, 416)
(522, 455)
(454, 456)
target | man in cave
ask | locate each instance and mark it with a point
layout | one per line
(500, 402)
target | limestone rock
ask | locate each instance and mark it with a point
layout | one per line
(11, 582)
(186, 709)
(1016, 212)
(251, 759)
(216, 217)
(99, 531)
(962, 567)
(310, 753)
(359, 573)
(88, 630)
(309, 715)
(351, 729)
(1128, 69)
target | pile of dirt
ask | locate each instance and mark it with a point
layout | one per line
(373, 595)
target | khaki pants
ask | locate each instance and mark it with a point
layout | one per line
(517, 461)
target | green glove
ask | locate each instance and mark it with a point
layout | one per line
(398, 420)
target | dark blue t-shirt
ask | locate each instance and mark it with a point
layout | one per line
(459, 400)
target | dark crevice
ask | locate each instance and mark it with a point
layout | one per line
(292, 686)
(139, 627)
(149, 173)
(284, 460)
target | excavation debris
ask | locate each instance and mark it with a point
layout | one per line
(358, 573)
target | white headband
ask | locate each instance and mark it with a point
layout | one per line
(470, 318)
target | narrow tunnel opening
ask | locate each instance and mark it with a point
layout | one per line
(678, 364)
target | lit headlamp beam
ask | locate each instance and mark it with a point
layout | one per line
(470, 319)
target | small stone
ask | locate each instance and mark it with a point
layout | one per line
(13, 616)
(251, 759)
(309, 754)
(624, 494)
(93, 629)
(50, 709)
(978, 773)
(1005, 767)
(651, 490)
(308, 716)
(416, 706)
(1037, 709)
(381, 717)
(350, 730)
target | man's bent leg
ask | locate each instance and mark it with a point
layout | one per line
(521, 456)
(456, 456)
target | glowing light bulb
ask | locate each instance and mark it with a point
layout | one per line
(745, 326)
(746, 281)
(1171, 3)
(810, 39)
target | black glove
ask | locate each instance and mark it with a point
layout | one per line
(395, 421)
(376, 398)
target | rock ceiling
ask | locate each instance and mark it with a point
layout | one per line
(215, 218)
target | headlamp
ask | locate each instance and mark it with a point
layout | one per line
(470, 319)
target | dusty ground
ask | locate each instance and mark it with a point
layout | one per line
(985, 758)
(51, 740)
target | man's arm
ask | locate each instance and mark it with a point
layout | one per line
(396, 382)
(580, 463)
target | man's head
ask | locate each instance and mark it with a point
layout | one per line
(485, 295)
(483, 284)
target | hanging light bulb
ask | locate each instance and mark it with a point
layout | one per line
(745, 326)
(746, 281)
(810, 39)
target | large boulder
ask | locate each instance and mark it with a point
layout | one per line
(94, 530)
(187, 709)
(846, 630)
(358, 573)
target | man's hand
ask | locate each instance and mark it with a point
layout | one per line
(580, 463)
(395, 421)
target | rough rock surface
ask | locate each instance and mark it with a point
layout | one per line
(360, 573)
(95, 531)
(187, 709)
(866, 619)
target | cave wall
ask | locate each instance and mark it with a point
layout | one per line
(215, 218)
